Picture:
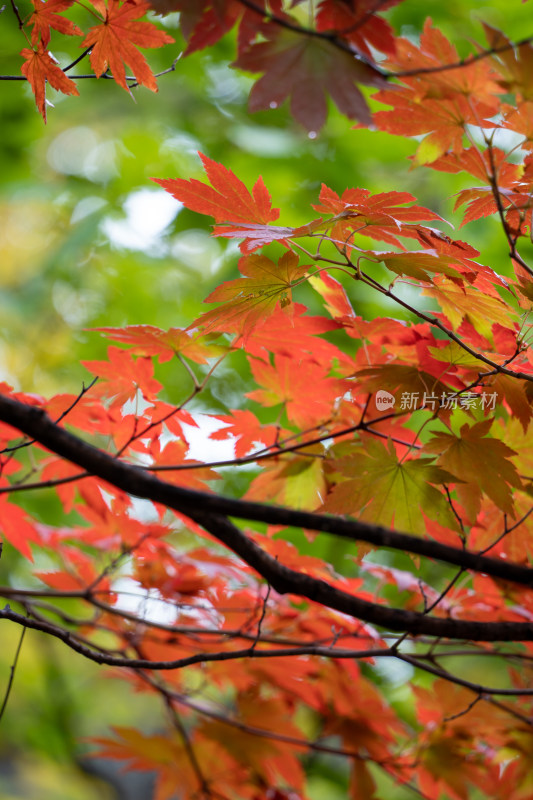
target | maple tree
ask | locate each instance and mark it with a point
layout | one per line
(404, 435)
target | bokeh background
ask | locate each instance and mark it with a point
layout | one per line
(88, 240)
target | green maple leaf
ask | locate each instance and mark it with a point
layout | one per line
(381, 489)
(482, 464)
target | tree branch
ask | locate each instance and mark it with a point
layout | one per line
(209, 510)
(137, 481)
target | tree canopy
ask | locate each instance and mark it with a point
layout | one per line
(279, 547)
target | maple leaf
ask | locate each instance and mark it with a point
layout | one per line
(416, 264)
(380, 488)
(82, 573)
(227, 199)
(248, 300)
(421, 387)
(270, 759)
(442, 120)
(307, 69)
(380, 216)
(480, 202)
(113, 42)
(189, 580)
(336, 300)
(449, 731)
(481, 165)
(45, 16)
(40, 68)
(472, 79)
(174, 454)
(207, 23)
(190, 11)
(170, 760)
(460, 303)
(60, 469)
(481, 463)
(514, 394)
(245, 429)
(147, 340)
(85, 413)
(362, 783)
(256, 236)
(271, 336)
(357, 23)
(512, 64)
(144, 752)
(123, 375)
(16, 527)
(288, 382)
(297, 482)
(519, 119)
(437, 103)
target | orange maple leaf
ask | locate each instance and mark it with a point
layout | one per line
(147, 340)
(46, 15)
(39, 67)
(114, 42)
(227, 199)
(246, 301)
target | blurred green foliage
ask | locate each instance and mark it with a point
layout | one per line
(88, 240)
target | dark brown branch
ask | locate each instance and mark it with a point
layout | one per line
(77, 60)
(208, 510)
(465, 62)
(329, 36)
(136, 481)
(177, 723)
(102, 657)
(493, 181)
(60, 418)
(497, 368)
(288, 581)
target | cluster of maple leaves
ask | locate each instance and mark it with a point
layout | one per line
(305, 64)
(275, 675)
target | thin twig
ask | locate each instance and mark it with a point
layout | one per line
(12, 673)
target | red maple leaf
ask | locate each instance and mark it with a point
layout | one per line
(46, 15)
(227, 199)
(205, 23)
(378, 216)
(246, 430)
(288, 382)
(16, 527)
(307, 69)
(114, 42)
(39, 67)
(356, 22)
(256, 236)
